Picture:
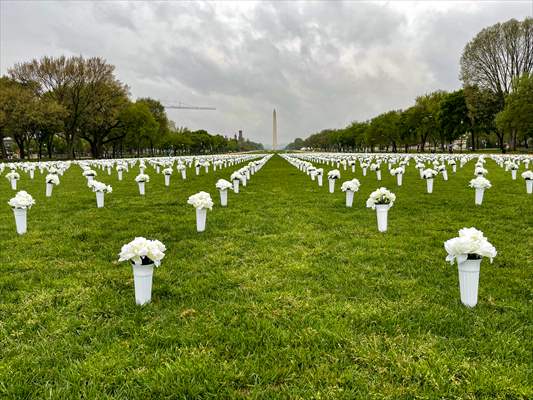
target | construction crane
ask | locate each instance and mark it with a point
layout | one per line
(183, 106)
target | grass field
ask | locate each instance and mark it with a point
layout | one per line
(288, 293)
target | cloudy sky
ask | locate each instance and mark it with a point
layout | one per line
(320, 64)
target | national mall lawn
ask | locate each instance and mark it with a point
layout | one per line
(287, 294)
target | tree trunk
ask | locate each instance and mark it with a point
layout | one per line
(473, 140)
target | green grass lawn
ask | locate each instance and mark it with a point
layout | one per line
(288, 293)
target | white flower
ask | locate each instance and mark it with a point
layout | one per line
(527, 175)
(99, 187)
(420, 165)
(513, 165)
(89, 172)
(12, 176)
(143, 251)
(22, 200)
(319, 172)
(480, 183)
(480, 171)
(201, 200)
(397, 171)
(352, 185)
(167, 171)
(142, 178)
(223, 184)
(52, 178)
(334, 174)
(429, 173)
(374, 167)
(237, 176)
(180, 167)
(470, 242)
(380, 196)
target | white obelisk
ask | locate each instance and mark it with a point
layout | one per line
(274, 131)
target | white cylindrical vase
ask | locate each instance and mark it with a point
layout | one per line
(141, 188)
(331, 185)
(364, 171)
(479, 196)
(32, 173)
(142, 279)
(13, 184)
(223, 198)
(119, 175)
(382, 215)
(349, 198)
(469, 281)
(529, 186)
(378, 174)
(21, 218)
(99, 199)
(201, 216)
(429, 185)
(49, 188)
(513, 174)
(319, 177)
(399, 179)
(445, 175)
(183, 174)
(236, 185)
(167, 180)
(197, 170)
(454, 168)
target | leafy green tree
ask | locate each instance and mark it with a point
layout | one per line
(453, 117)
(137, 126)
(483, 105)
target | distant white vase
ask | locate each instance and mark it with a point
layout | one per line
(349, 198)
(206, 168)
(90, 178)
(119, 175)
(454, 168)
(244, 180)
(248, 174)
(313, 177)
(421, 170)
(167, 180)
(184, 174)
(99, 199)
(378, 174)
(142, 279)
(429, 185)
(382, 211)
(141, 188)
(201, 215)
(364, 171)
(479, 196)
(353, 168)
(331, 185)
(197, 170)
(399, 179)
(469, 281)
(236, 185)
(32, 173)
(141, 170)
(21, 217)
(529, 186)
(13, 184)
(157, 169)
(109, 171)
(513, 174)
(319, 177)
(49, 188)
(223, 198)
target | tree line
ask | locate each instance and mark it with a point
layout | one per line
(494, 108)
(77, 107)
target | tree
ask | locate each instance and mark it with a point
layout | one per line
(137, 126)
(158, 112)
(453, 117)
(483, 105)
(425, 114)
(497, 55)
(516, 119)
(72, 83)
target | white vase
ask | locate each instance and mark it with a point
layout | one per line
(248, 174)
(206, 169)
(353, 168)
(244, 180)
(382, 215)
(349, 198)
(513, 174)
(445, 175)
(32, 173)
(167, 180)
(201, 215)
(90, 178)
(454, 168)
(378, 174)
(183, 174)
(529, 186)
(21, 217)
(364, 171)
(236, 185)
(99, 199)
(469, 281)
(49, 188)
(312, 176)
(197, 170)
(141, 169)
(223, 198)
(13, 184)
(119, 175)
(319, 177)
(157, 169)
(479, 196)
(429, 185)
(141, 188)
(142, 279)
(109, 171)
(399, 179)
(421, 171)
(331, 185)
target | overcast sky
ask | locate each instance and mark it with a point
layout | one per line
(320, 64)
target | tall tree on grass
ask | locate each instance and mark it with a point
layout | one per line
(72, 82)
(453, 117)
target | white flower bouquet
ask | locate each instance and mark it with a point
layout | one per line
(142, 251)
(180, 167)
(513, 166)
(420, 165)
(12, 176)
(471, 245)
(352, 185)
(236, 176)
(480, 183)
(374, 167)
(89, 172)
(480, 171)
(429, 173)
(52, 179)
(334, 174)
(141, 178)
(379, 197)
(201, 200)
(22, 201)
(96, 186)
(167, 171)
(223, 184)
(528, 175)
(397, 171)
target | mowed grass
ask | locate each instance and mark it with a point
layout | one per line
(288, 293)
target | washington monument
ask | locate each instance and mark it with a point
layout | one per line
(274, 131)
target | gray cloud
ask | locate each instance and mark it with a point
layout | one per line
(321, 64)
